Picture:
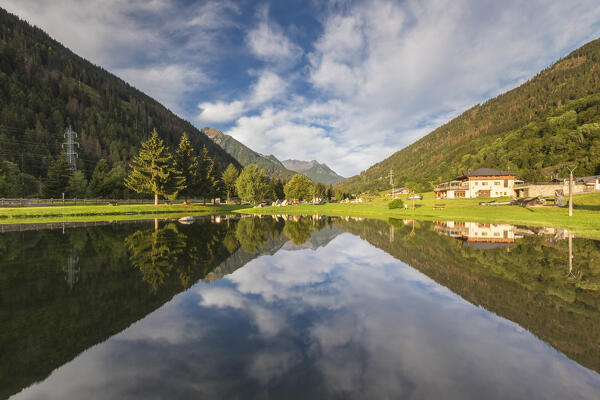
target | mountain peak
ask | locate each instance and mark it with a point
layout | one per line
(314, 170)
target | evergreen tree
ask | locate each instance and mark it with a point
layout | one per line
(57, 181)
(277, 186)
(186, 166)
(251, 185)
(152, 172)
(207, 175)
(97, 187)
(229, 177)
(77, 185)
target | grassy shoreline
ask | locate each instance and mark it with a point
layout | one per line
(21, 215)
(585, 221)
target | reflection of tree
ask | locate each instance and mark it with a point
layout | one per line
(155, 252)
(251, 234)
(298, 231)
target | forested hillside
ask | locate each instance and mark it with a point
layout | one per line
(44, 88)
(244, 155)
(535, 129)
(314, 170)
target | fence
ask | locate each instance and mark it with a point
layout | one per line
(82, 202)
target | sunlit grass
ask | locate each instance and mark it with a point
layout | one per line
(105, 212)
(584, 222)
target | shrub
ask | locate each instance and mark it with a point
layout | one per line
(396, 203)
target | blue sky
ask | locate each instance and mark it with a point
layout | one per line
(344, 82)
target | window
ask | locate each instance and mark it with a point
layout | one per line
(476, 183)
(496, 183)
(506, 183)
(484, 183)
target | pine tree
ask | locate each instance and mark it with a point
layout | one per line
(77, 185)
(96, 187)
(207, 175)
(57, 181)
(185, 164)
(229, 176)
(152, 172)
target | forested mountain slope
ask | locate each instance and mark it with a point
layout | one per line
(44, 87)
(314, 170)
(244, 155)
(534, 129)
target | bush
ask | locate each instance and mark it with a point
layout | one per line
(396, 203)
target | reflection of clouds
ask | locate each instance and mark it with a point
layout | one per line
(221, 297)
(345, 320)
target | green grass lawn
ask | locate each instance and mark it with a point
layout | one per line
(106, 212)
(584, 222)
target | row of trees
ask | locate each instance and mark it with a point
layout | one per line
(158, 172)
(253, 185)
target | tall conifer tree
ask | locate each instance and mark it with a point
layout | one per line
(59, 173)
(152, 171)
(185, 163)
(229, 177)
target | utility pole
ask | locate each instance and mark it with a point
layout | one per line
(392, 182)
(70, 144)
(571, 169)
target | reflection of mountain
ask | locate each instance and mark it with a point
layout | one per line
(321, 235)
(320, 238)
(526, 283)
(61, 294)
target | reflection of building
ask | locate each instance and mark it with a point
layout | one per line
(475, 234)
(482, 182)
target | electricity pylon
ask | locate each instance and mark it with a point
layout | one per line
(70, 144)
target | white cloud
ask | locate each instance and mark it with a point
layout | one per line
(168, 82)
(269, 43)
(220, 111)
(268, 87)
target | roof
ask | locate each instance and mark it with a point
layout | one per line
(588, 178)
(487, 172)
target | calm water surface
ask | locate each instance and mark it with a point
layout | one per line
(303, 308)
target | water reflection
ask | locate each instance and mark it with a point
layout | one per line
(295, 307)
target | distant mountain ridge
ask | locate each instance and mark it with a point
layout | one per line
(318, 172)
(244, 155)
(550, 121)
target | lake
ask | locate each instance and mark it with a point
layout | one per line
(285, 307)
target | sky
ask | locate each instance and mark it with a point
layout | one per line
(347, 83)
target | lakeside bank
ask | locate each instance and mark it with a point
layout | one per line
(585, 221)
(108, 212)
